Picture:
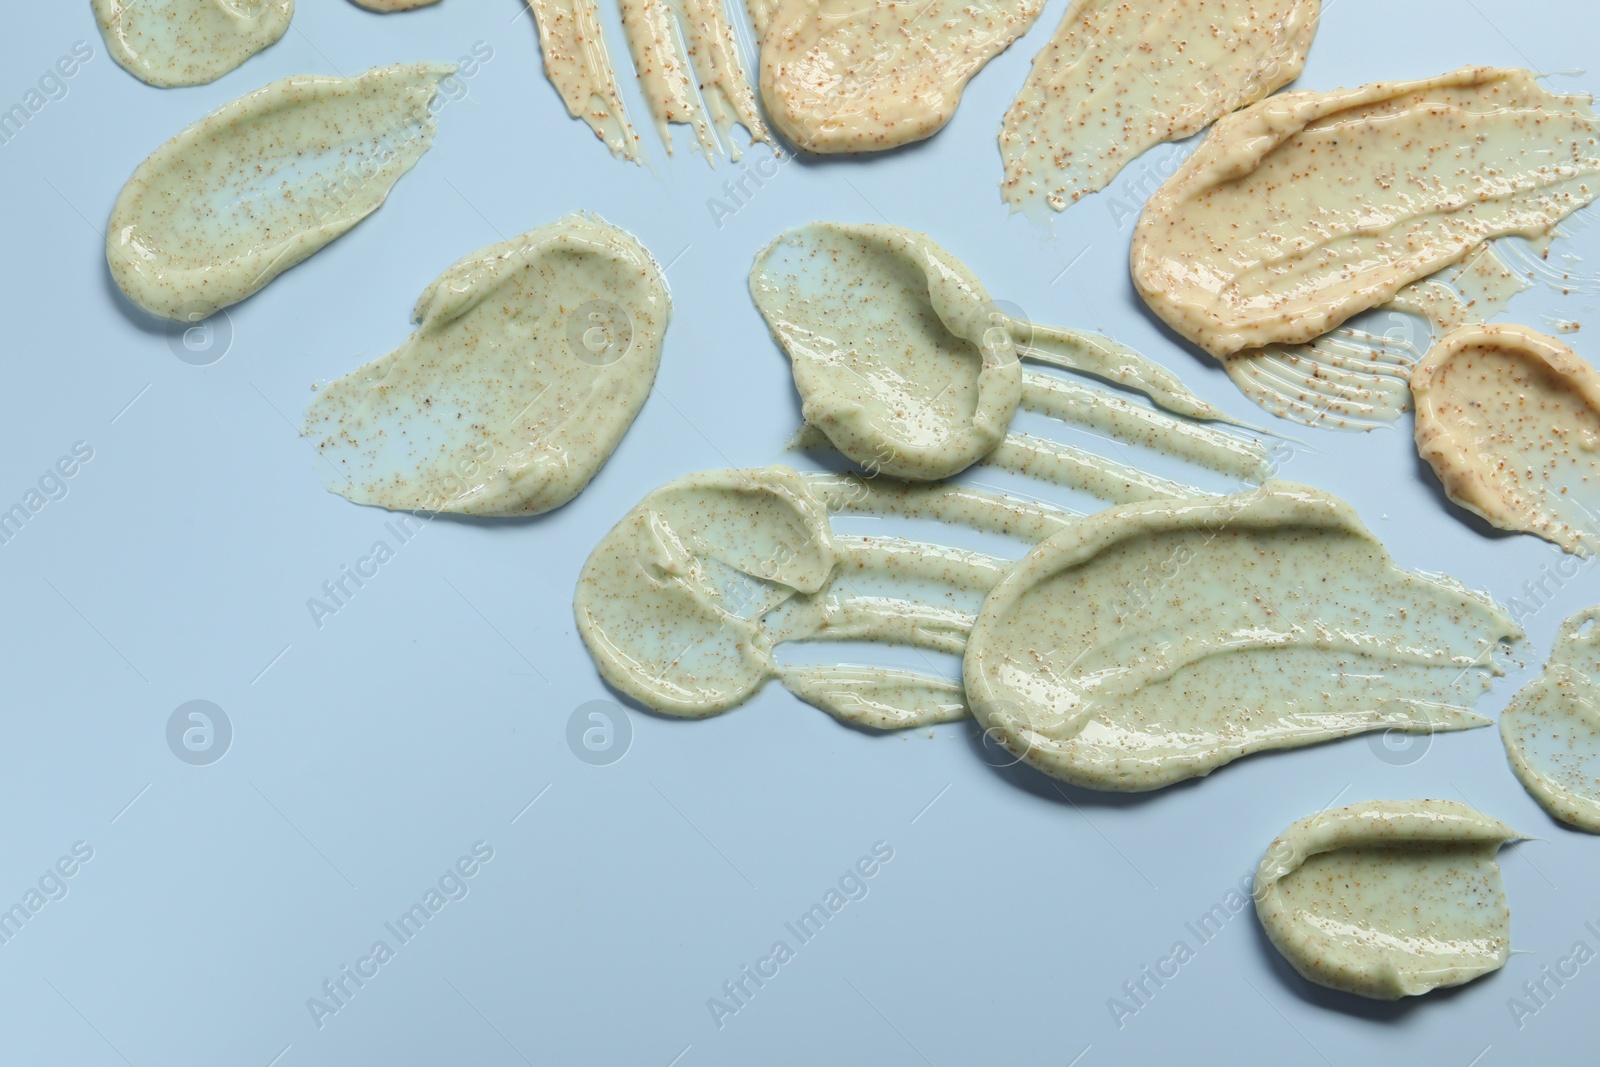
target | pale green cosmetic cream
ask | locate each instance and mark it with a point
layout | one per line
(1388, 899)
(1155, 642)
(530, 360)
(262, 183)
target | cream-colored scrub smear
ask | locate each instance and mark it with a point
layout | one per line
(1388, 899)
(263, 182)
(865, 75)
(1509, 420)
(1117, 79)
(909, 368)
(673, 81)
(1300, 211)
(530, 361)
(577, 64)
(1352, 378)
(173, 43)
(1155, 642)
(682, 604)
(1551, 729)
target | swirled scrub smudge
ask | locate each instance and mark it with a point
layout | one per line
(577, 64)
(706, 82)
(1117, 79)
(1155, 642)
(865, 75)
(683, 602)
(1388, 899)
(909, 368)
(170, 43)
(1302, 210)
(263, 182)
(1551, 729)
(530, 361)
(1509, 419)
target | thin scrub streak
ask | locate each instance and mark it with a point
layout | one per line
(683, 603)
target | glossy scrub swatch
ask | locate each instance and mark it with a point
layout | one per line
(1304, 209)
(530, 361)
(263, 182)
(685, 55)
(1551, 729)
(683, 603)
(1118, 79)
(908, 368)
(578, 65)
(865, 75)
(1388, 899)
(1509, 419)
(172, 43)
(1155, 642)
(687, 61)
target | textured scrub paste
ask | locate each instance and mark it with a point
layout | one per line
(1551, 729)
(1155, 642)
(1118, 79)
(1388, 899)
(909, 368)
(865, 75)
(530, 361)
(1509, 420)
(394, 5)
(577, 64)
(685, 55)
(188, 42)
(263, 182)
(675, 84)
(1302, 210)
(683, 603)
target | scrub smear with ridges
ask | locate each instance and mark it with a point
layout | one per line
(1509, 419)
(909, 369)
(1551, 729)
(530, 361)
(171, 43)
(1388, 899)
(690, 71)
(1156, 642)
(865, 75)
(1307, 208)
(578, 65)
(684, 601)
(263, 182)
(1118, 78)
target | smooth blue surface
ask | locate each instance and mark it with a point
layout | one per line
(369, 755)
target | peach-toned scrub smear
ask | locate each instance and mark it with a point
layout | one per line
(578, 65)
(1156, 642)
(530, 361)
(1551, 729)
(909, 368)
(1509, 419)
(1300, 211)
(172, 43)
(865, 75)
(1118, 79)
(262, 183)
(683, 603)
(1388, 899)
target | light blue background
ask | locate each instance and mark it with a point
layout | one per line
(368, 755)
